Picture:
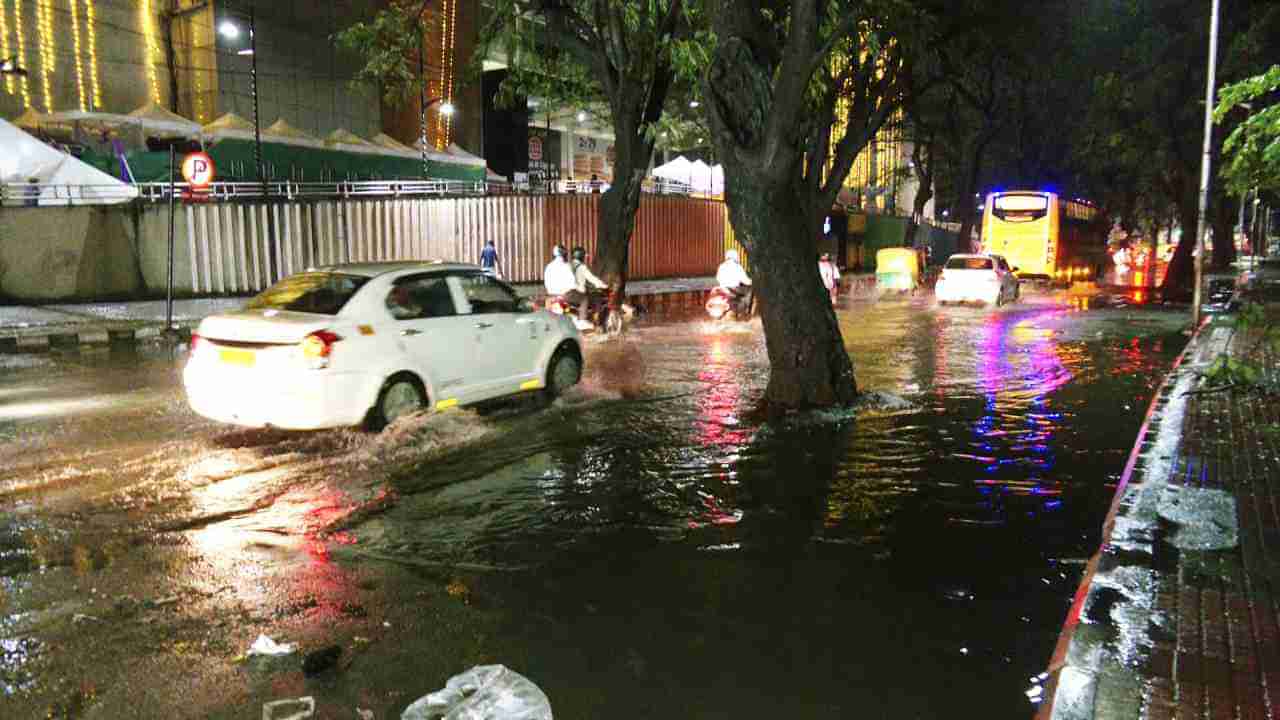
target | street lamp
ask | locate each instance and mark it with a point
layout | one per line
(229, 30)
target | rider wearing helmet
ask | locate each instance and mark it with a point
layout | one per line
(583, 280)
(734, 279)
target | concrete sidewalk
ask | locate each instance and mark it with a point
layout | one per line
(32, 328)
(1177, 614)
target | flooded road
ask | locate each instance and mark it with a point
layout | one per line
(639, 549)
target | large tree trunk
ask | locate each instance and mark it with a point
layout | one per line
(808, 364)
(616, 220)
(923, 165)
(1224, 240)
(1180, 276)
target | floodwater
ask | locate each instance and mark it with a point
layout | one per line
(661, 555)
(640, 549)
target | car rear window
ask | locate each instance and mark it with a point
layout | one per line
(968, 263)
(321, 293)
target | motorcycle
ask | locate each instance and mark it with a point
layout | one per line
(600, 311)
(721, 302)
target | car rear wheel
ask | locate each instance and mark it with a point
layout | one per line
(563, 372)
(400, 396)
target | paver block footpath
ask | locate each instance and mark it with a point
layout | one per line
(1176, 617)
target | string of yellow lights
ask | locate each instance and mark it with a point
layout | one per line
(151, 49)
(444, 29)
(22, 53)
(4, 41)
(48, 59)
(91, 18)
(75, 40)
(449, 41)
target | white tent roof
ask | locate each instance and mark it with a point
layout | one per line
(677, 169)
(459, 155)
(230, 125)
(384, 140)
(63, 179)
(29, 118)
(282, 132)
(159, 119)
(87, 119)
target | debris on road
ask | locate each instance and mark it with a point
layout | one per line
(297, 709)
(485, 692)
(266, 646)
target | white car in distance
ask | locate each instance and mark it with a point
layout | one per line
(367, 343)
(977, 278)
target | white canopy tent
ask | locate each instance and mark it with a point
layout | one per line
(229, 125)
(158, 120)
(35, 173)
(701, 177)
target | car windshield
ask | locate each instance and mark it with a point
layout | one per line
(321, 293)
(969, 263)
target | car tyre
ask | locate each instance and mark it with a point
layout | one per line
(400, 395)
(563, 372)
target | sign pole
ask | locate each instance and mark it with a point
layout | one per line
(168, 297)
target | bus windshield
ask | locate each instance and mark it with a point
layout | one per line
(1020, 208)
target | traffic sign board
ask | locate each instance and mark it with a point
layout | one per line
(197, 169)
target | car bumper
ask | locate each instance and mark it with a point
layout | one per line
(948, 292)
(297, 400)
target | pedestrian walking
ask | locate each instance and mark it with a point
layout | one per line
(830, 276)
(489, 260)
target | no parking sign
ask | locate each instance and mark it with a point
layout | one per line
(197, 169)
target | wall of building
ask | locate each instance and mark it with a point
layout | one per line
(302, 75)
(88, 253)
(82, 55)
(116, 55)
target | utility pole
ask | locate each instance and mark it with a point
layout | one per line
(1206, 163)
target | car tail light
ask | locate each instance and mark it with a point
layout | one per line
(196, 342)
(317, 347)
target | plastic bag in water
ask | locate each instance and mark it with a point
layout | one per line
(485, 692)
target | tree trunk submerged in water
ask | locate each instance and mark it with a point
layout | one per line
(808, 364)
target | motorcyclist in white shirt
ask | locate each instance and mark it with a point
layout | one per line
(733, 278)
(584, 281)
(558, 278)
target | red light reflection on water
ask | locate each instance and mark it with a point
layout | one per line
(718, 422)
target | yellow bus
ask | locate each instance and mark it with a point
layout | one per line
(1045, 237)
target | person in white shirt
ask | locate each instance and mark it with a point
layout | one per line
(558, 278)
(830, 276)
(584, 280)
(733, 278)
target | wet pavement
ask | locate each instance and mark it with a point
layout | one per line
(639, 549)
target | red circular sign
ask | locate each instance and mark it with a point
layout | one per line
(535, 148)
(197, 169)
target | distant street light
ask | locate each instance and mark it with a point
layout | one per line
(9, 66)
(229, 30)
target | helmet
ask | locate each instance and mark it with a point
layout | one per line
(731, 255)
(580, 254)
(557, 251)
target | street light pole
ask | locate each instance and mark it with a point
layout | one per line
(253, 88)
(1206, 162)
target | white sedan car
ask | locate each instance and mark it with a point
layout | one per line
(977, 278)
(367, 343)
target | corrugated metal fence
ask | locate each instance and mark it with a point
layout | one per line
(228, 242)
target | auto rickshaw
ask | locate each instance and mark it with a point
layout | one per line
(899, 270)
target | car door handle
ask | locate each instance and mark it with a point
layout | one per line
(410, 332)
(483, 325)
